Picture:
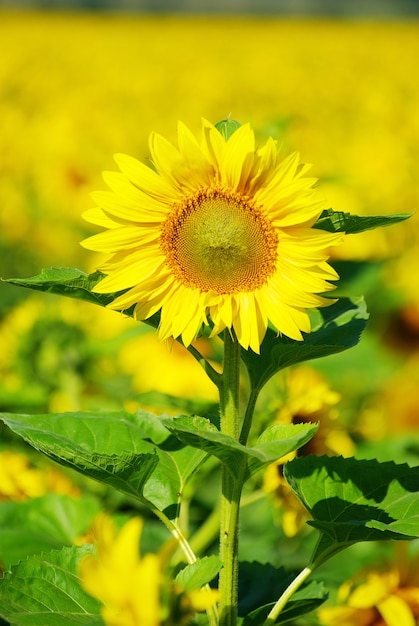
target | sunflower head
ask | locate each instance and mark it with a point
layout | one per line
(218, 232)
(217, 242)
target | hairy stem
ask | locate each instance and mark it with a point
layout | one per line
(231, 486)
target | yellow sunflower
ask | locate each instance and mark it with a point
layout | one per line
(135, 589)
(218, 229)
(386, 597)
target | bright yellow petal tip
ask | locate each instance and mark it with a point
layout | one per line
(220, 232)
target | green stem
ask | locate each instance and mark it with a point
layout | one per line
(289, 591)
(229, 386)
(248, 416)
(207, 532)
(212, 374)
(177, 534)
(231, 486)
(212, 612)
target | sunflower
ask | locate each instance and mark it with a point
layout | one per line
(218, 232)
(136, 589)
(378, 597)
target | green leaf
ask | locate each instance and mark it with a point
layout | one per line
(45, 591)
(259, 584)
(339, 222)
(354, 500)
(133, 453)
(199, 573)
(75, 283)
(359, 277)
(65, 281)
(277, 441)
(227, 127)
(42, 524)
(334, 328)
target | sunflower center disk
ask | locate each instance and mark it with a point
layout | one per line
(217, 241)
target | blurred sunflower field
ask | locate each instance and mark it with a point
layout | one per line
(75, 88)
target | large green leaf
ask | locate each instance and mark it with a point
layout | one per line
(277, 441)
(133, 453)
(354, 500)
(44, 590)
(339, 222)
(42, 524)
(334, 328)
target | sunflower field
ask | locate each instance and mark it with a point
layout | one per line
(78, 493)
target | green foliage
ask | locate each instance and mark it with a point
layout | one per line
(133, 453)
(155, 460)
(353, 500)
(74, 283)
(200, 573)
(44, 590)
(65, 281)
(334, 328)
(42, 524)
(262, 583)
(227, 127)
(306, 599)
(339, 222)
(275, 442)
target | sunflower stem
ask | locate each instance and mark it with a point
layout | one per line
(289, 591)
(212, 374)
(212, 611)
(231, 486)
(248, 416)
(176, 532)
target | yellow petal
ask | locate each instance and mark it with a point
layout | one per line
(373, 591)
(236, 157)
(146, 179)
(214, 146)
(128, 276)
(346, 616)
(99, 217)
(396, 612)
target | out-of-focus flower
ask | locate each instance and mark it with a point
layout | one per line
(144, 359)
(362, 134)
(219, 228)
(57, 351)
(127, 585)
(394, 409)
(386, 597)
(293, 514)
(135, 590)
(19, 480)
(307, 398)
